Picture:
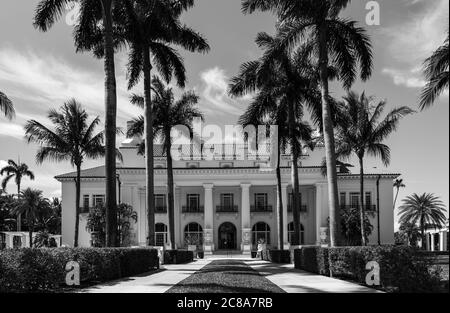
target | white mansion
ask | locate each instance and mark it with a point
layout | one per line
(229, 202)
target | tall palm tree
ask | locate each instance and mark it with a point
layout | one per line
(168, 114)
(6, 106)
(436, 69)
(31, 203)
(426, 210)
(398, 183)
(94, 32)
(336, 41)
(151, 28)
(18, 171)
(73, 139)
(290, 78)
(361, 132)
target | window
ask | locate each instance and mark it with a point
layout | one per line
(99, 200)
(160, 234)
(260, 232)
(368, 199)
(342, 198)
(291, 233)
(354, 199)
(227, 200)
(261, 200)
(193, 234)
(160, 203)
(291, 199)
(193, 201)
(86, 204)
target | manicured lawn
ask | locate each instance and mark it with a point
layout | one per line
(226, 276)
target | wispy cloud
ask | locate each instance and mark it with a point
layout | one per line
(215, 93)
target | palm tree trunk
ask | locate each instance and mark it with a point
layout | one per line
(361, 196)
(328, 134)
(110, 127)
(150, 180)
(296, 240)
(77, 206)
(170, 190)
(30, 231)
(422, 232)
(280, 201)
(19, 216)
(396, 195)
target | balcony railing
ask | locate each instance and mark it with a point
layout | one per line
(303, 208)
(261, 208)
(190, 209)
(227, 209)
(161, 209)
(367, 207)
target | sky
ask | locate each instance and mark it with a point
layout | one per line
(40, 71)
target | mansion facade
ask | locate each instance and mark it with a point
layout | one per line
(228, 202)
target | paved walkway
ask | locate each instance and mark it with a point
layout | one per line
(175, 277)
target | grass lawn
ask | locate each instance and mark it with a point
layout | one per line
(226, 276)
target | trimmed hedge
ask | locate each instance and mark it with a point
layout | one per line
(178, 256)
(44, 269)
(402, 269)
(276, 256)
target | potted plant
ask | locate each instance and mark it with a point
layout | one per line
(192, 242)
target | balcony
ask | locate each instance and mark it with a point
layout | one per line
(261, 209)
(227, 209)
(367, 207)
(193, 210)
(161, 209)
(303, 208)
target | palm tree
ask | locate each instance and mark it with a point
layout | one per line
(436, 69)
(398, 183)
(31, 203)
(336, 41)
(427, 210)
(18, 171)
(290, 78)
(168, 114)
(73, 139)
(360, 132)
(150, 28)
(94, 32)
(6, 106)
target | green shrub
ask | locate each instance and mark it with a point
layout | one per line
(44, 269)
(276, 256)
(178, 256)
(402, 269)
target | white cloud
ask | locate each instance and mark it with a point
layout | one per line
(407, 78)
(10, 129)
(215, 93)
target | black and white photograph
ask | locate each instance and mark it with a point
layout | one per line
(224, 155)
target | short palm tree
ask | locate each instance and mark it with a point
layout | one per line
(73, 139)
(151, 28)
(398, 183)
(16, 171)
(336, 41)
(94, 31)
(361, 132)
(437, 75)
(31, 203)
(6, 106)
(289, 79)
(425, 210)
(168, 114)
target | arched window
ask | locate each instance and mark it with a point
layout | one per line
(260, 232)
(193, 234)
(291, 233)
(161, 234)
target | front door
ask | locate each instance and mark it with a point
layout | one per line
(227, 237)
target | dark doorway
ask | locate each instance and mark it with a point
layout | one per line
(227, 237)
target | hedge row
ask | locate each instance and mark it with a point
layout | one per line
(402, 269)
(178, 256)
(44, 269)
(276, 256)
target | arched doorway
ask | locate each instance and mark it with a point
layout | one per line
(227, 237)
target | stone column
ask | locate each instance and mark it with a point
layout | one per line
(284, 197)
(246, 245)
(432, 242)
(443, 241)
(142, 216)
(208, 228)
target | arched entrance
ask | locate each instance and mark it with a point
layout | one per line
(227, 237)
